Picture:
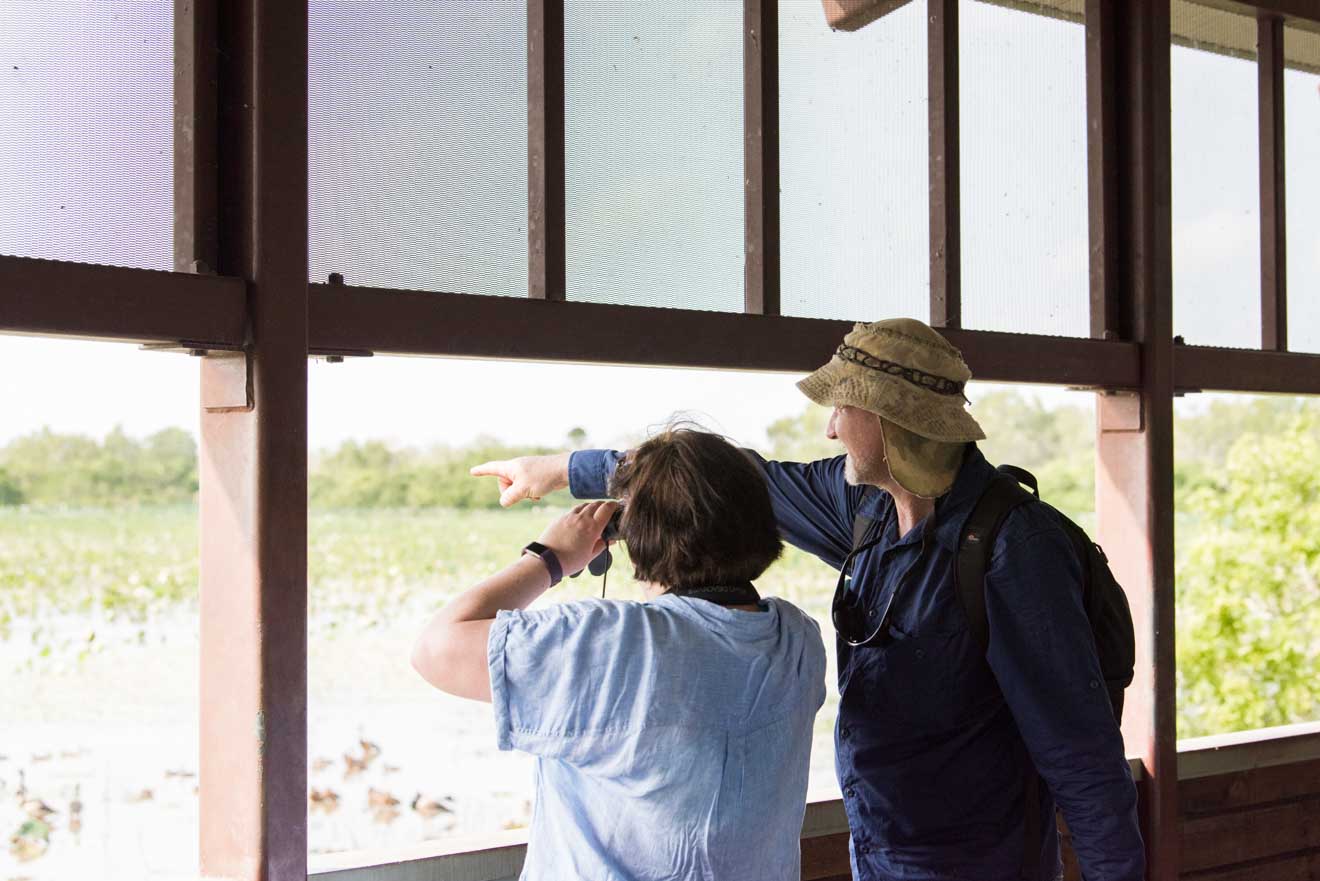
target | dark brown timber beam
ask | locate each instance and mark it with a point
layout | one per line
(1273, 238)
(761, 156)
(346, 318)
(253, 463)
(1102, 136)
(546, 238)
(111, 302)
(106, 302)
(945, 222)
(1202, 368)
(1134, 432)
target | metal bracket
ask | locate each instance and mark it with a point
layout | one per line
(1119, 411)
(337, 356)
(227, 382)
(196, 348)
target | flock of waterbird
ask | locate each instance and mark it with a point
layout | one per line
(383, 806)
(38, 819)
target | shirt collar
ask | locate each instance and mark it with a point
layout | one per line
(951, 509)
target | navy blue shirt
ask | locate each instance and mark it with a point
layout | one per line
(932, 735)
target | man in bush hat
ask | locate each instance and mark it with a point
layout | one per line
(939, 744)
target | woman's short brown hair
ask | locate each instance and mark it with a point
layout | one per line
(696, 511)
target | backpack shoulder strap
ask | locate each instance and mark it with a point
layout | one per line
(1004, 493)
(1000, 497)
(861, 522)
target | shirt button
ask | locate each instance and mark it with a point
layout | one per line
(850, 792)
(921, 653)
(1095, 684)
(843, 733)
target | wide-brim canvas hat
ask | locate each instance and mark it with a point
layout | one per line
(913, 378)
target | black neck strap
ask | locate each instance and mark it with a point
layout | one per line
(723, 594)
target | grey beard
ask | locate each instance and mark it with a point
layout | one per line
(865, 473)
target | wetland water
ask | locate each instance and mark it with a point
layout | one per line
(112, 722)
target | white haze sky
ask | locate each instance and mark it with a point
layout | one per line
(418, 180)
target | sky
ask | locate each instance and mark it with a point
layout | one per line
(88, 387)
(418, 179)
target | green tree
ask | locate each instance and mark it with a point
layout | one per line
(1248, 586)
(373, 474)
(10, 493)
(802, 438)
(1056, 444)
(74, 470)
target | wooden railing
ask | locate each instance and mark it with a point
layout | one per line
(1250, 809)
(500, 857)
(1250, 805)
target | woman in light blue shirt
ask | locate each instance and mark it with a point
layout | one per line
(672, 737)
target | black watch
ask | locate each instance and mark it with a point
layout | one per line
(548, 558)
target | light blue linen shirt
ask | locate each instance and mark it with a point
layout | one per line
(672, 737)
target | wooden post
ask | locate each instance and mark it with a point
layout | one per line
(253, 458)
(1134, 443)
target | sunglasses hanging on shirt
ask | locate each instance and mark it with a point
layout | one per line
(858, 623)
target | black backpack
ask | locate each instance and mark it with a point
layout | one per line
(1102, 597)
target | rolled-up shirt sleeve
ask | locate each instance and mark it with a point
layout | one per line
(812, 501)
(1043, 655)
(560, 673)
(590, 471)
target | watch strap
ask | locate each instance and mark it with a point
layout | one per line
(547, 557)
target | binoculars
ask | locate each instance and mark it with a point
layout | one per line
(601, 563)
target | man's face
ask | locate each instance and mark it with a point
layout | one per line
(860, 433)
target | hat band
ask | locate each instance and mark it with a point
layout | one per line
(928, 381)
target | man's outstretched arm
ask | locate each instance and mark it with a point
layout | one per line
(812, 502)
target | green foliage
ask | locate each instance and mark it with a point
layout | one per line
(1057, 445)
(1248, 585)
(10, 492)
(119, 572)
(802, 438)
(394, 528)
(46, 468)
(373, 474)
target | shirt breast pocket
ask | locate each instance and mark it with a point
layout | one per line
(929, 680)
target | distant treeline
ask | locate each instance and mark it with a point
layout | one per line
(47, 469)
(373, 474)
(1057, 443)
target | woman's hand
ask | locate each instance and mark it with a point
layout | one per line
(527, 477)
(575, 537)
